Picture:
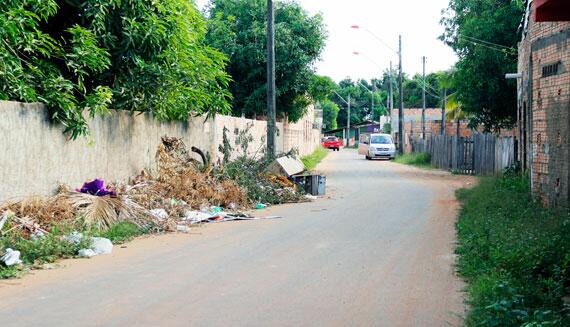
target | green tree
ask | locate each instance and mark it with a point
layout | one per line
(360, 100)
(484, 35)
(76, 55)
(238, 28)
(321, 87)
(330, 114)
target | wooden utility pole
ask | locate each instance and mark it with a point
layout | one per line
(424, 99)
(391, 91)
(401, 111)
(348, 123)
(271, 102)
(443, 105)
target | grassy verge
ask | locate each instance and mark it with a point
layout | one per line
(514, 255)
(312, 160)
(53, 246)
(422, 159)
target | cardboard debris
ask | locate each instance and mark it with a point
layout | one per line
(288, 166)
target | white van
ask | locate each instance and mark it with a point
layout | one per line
(376, 146)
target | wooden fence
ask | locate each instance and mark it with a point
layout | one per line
(483, 154)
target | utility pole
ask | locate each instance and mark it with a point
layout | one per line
(344, 136)
(401, 111)
(348, 123)
(372, 101)
(391, 91)
(271, 102)
(443, 105)
(424, 99)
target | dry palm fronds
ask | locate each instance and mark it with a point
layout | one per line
(43, 210)
(104, 211)
(179, 178)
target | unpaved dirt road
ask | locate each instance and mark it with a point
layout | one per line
(377, 251)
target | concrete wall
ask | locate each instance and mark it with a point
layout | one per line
(544, 108)
(35, 156)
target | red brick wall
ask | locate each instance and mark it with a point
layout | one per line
(548, 102)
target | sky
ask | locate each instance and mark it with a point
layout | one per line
(416, 20)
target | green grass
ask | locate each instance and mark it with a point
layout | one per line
(419, 159)
(312, 160)
(122, 232)
(514, 255)
(53, 246)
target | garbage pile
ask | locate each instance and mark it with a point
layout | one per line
(181, 193)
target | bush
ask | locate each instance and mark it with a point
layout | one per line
(420, 159)
(514, 254)
(92, 55)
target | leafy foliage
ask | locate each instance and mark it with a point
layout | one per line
(330, 114)
(238, 28)
(312, 160)
(95, 54)
(514, 254)
(484, 35)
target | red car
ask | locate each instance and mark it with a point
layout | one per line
(331, 142)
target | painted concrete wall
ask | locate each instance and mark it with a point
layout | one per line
(35, 156)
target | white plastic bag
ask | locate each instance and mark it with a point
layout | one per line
(87, 253)
(159, 213)
(11, 257)
(101, 245)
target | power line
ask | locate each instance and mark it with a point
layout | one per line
(487, 42)
(511, 50)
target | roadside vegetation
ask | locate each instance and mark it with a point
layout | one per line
(514, 255)
(46, 229)
(39, 251)
(418, 159)
(312, 160)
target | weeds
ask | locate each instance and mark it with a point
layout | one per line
(514, 254)
(123, 232)
(312, 160)
(250, 174)
(418, 159)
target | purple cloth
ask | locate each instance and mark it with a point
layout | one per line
(96, 187)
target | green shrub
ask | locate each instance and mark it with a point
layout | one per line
(92, 55)
(514, 254)
(420, 159)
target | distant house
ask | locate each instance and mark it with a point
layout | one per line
(544, 99)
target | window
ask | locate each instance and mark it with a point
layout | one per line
(552, 69)
(381, 139)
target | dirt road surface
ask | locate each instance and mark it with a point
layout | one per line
(376, 251)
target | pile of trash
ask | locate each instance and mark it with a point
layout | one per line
(181, 193)
(260, 184)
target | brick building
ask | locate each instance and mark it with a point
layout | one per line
(413, 122)
(544, 99)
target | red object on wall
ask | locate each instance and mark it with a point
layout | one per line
(552, 10)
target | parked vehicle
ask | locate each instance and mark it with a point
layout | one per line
(331, 142)
(376, 146)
